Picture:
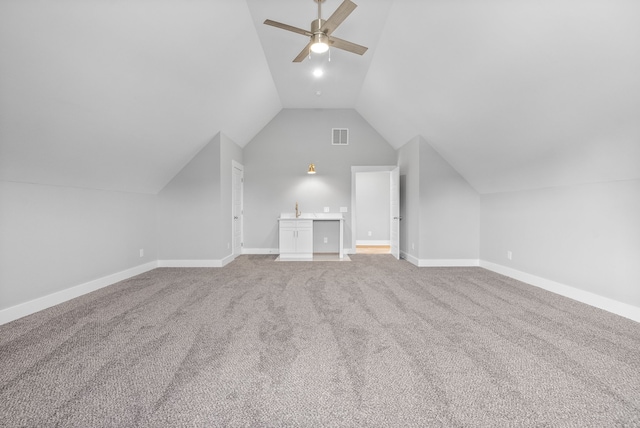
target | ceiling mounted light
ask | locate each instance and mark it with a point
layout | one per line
(321, 31)
(318, 72)
(312, 169)
(320, 43)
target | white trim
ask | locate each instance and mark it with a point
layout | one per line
(373, 242)
(605, 303)
(190, 263)
(260, 251)
(448, 262)
(226, 260)
(439, 262)
(44, 302)
(411, 259)
(240, 167)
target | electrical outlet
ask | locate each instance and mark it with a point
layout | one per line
(228, 245)
(509, 255)
(141, 252)
(326, 209)
(413, 246)
(343, 209)
(326, 240)
(369, 233)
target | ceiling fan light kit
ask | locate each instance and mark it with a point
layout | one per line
(320, 43)
(320, 37)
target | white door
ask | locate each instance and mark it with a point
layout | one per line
(395, 213)
(238, 187)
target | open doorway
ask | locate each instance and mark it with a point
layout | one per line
(374, 201)
(373, 209)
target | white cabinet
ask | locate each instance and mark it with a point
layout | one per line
(296, 239)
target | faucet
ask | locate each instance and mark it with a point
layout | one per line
(297, 212)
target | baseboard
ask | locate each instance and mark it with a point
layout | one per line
(439, 262)
(372, 242)
(260, 251)
(226, 260)
(623, 309)
(190, 263)
(448, 262)
(411, 259)
(27, 308)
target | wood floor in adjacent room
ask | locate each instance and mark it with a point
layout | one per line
(373, 249)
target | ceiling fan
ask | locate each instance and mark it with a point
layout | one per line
(321, 30)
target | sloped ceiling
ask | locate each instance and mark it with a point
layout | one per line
(515, 94)
(120, 95)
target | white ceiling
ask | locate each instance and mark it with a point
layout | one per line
(515, 94)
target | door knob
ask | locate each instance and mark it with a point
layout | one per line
(235, 217)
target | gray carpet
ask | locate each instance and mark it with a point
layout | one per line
(374, 342)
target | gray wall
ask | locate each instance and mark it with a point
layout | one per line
(276, 162)
(373, 206)
(585, 236)
(449, 210)
(189, 209)
(54, 237)
(440, 209)
(195, 207)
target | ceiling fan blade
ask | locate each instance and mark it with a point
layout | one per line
(288, 27)
(303, 53)
(338, 16)
(347, 46)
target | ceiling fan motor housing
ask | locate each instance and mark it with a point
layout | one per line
(316, 25)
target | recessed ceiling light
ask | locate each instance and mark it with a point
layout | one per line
(318, 93)
(318, 72)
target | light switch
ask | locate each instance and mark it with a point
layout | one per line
(326, 209)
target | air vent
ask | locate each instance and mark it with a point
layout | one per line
(340, 136)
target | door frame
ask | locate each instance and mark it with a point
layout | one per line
(236, 165)
(354, 171)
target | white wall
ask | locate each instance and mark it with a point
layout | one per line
(54, 237)
(276, 162)
(585, 236)
(373, 206)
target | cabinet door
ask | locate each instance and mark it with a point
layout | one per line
(287, 240)
(304, 243)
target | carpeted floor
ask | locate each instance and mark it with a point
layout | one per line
(374, 342)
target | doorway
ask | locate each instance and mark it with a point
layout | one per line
(375, 210)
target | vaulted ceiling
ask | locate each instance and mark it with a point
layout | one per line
(515, 94)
